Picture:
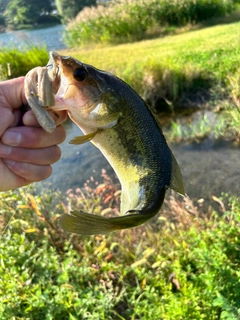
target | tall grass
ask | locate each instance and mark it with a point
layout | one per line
(183, 265)
(132, 20)
(15, 62)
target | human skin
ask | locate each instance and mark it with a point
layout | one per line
(26, 150)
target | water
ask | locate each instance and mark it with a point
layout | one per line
(209, 168)
(51, 37)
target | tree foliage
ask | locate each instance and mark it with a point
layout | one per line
(25, 11)
(68, 9)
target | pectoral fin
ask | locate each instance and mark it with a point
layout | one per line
(85, 138)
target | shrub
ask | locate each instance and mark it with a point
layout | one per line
(131, 20)
(185, 265)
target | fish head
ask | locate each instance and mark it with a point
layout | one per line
(82, 90)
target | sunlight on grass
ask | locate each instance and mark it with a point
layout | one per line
(206, 56)
(15, 62)
(177, 265)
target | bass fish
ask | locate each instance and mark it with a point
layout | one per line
(118, 122)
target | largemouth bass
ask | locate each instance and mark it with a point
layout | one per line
(117, 121)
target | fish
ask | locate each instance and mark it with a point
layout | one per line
(120, 124)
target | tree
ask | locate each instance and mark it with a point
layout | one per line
(68, 9)
(3, 6)
(26, 11)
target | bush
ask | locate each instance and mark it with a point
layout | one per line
(132, 20)
(185, 265)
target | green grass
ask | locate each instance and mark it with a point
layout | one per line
(213, 52)
(124, 275)
(21, 61)
(193, 69)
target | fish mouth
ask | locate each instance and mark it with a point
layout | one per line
(60, 70)
(54, 70)
(60, 83)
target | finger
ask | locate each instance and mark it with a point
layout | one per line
(29, 118)
(12, 93)
(9, 118)
(30, 137)
(6, 119)
(11, 97)
(17, 117)
(9, 180)
(29, 172)
(44, 156)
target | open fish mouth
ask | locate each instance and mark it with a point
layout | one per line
(53, 67)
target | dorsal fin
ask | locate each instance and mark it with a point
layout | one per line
(176, 182)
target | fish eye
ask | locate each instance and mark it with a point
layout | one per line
(79, 74)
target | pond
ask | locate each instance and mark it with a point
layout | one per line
(51, 37)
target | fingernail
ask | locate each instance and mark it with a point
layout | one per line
(12, 138)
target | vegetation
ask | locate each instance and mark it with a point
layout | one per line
(191, 69)
(15, 63)
(21, 13)
(127, 21)
(183, 265)
(68, 9)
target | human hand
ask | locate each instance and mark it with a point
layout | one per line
(26, 151)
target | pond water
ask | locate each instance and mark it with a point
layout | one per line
(209, 168)
(51, 37)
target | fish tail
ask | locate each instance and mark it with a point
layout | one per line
(88, 224)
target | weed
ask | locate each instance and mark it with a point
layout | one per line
(182, 264)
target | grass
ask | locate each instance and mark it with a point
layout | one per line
(213, 52)
(15, 63)
(193, 69)
(183, 265)
(198, 68)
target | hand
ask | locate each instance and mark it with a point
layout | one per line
(26, 151)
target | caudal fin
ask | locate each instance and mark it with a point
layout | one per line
(89, 224)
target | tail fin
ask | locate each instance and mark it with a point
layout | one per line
(88, 224)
